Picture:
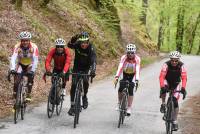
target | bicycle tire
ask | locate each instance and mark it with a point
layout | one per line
(122, 108)
(50, 105)
(22, 106)
(17, 105)
(169, 129)
(77, 105)
(59, 106)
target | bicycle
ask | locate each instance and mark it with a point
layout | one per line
(20, 101)
(124, 102)
(78, 95)
(55, 97)
(168, 115)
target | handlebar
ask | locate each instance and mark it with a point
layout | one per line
(81, 74)
(59, 75)
(16, 73)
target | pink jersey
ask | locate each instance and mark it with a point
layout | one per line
(129, 66)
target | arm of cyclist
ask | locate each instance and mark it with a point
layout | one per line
(137, 71)
(35, 59)
(72, 43)
(119, 69)
(14, 58)
(184, 81)
(163, 73)
(67, 61)
(93, 62)
(48, 60)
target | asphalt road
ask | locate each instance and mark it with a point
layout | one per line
(101, 117)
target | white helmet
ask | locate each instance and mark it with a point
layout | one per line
(60, 42)
(131, 48)
(25, 35)
(175, 55)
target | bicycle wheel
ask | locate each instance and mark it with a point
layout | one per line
(17, 105)
(22, 97)
(77, 107)
(122, 112)
(59, 99)
(168, 122)
(50, 104)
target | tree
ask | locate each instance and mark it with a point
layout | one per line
(144, 11)
(98, 3)
(161, 26)
(193, 33)
(180, 27)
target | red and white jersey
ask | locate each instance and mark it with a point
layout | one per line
(27, 57)
(129, 66)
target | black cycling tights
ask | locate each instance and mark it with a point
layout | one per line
(73, 87)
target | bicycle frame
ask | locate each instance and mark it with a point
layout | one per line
(170, 111)
(123, 103)
(20, 103)
(56, 83)
(78, 95)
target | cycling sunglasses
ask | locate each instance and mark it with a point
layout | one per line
(174, 61)
(130, 53)
(59, 46)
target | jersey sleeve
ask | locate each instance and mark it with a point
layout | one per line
(14, 58)
(163, 73)
(183, 76)
(67, 60)
(120, 67)
(35, 58)
(137, 73)
(48, 60)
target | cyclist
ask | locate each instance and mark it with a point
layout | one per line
(24, 58)
(172, 73)
(85, 60)
(62, 60)
(129, 66)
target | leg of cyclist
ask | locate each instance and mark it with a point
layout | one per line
(85, 87)
(72, 94)
(130, 98)
(64, 79)
(30, 82)
(121, 87)
(176, 108)
(163, 96)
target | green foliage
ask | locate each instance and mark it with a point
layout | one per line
(169, 10)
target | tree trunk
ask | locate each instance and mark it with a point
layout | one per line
(180, 28)
(97, 4)
(144, 11)
(168, 32)
(191, 40)
(44, 3)
(18, 4)
(161, 26)
(13, 1)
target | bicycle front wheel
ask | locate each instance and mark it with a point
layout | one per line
(17, 107)
(168, 123)
(122, 109)
(50, 104)
(77, 107)
(23, 105)
(59, 105)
